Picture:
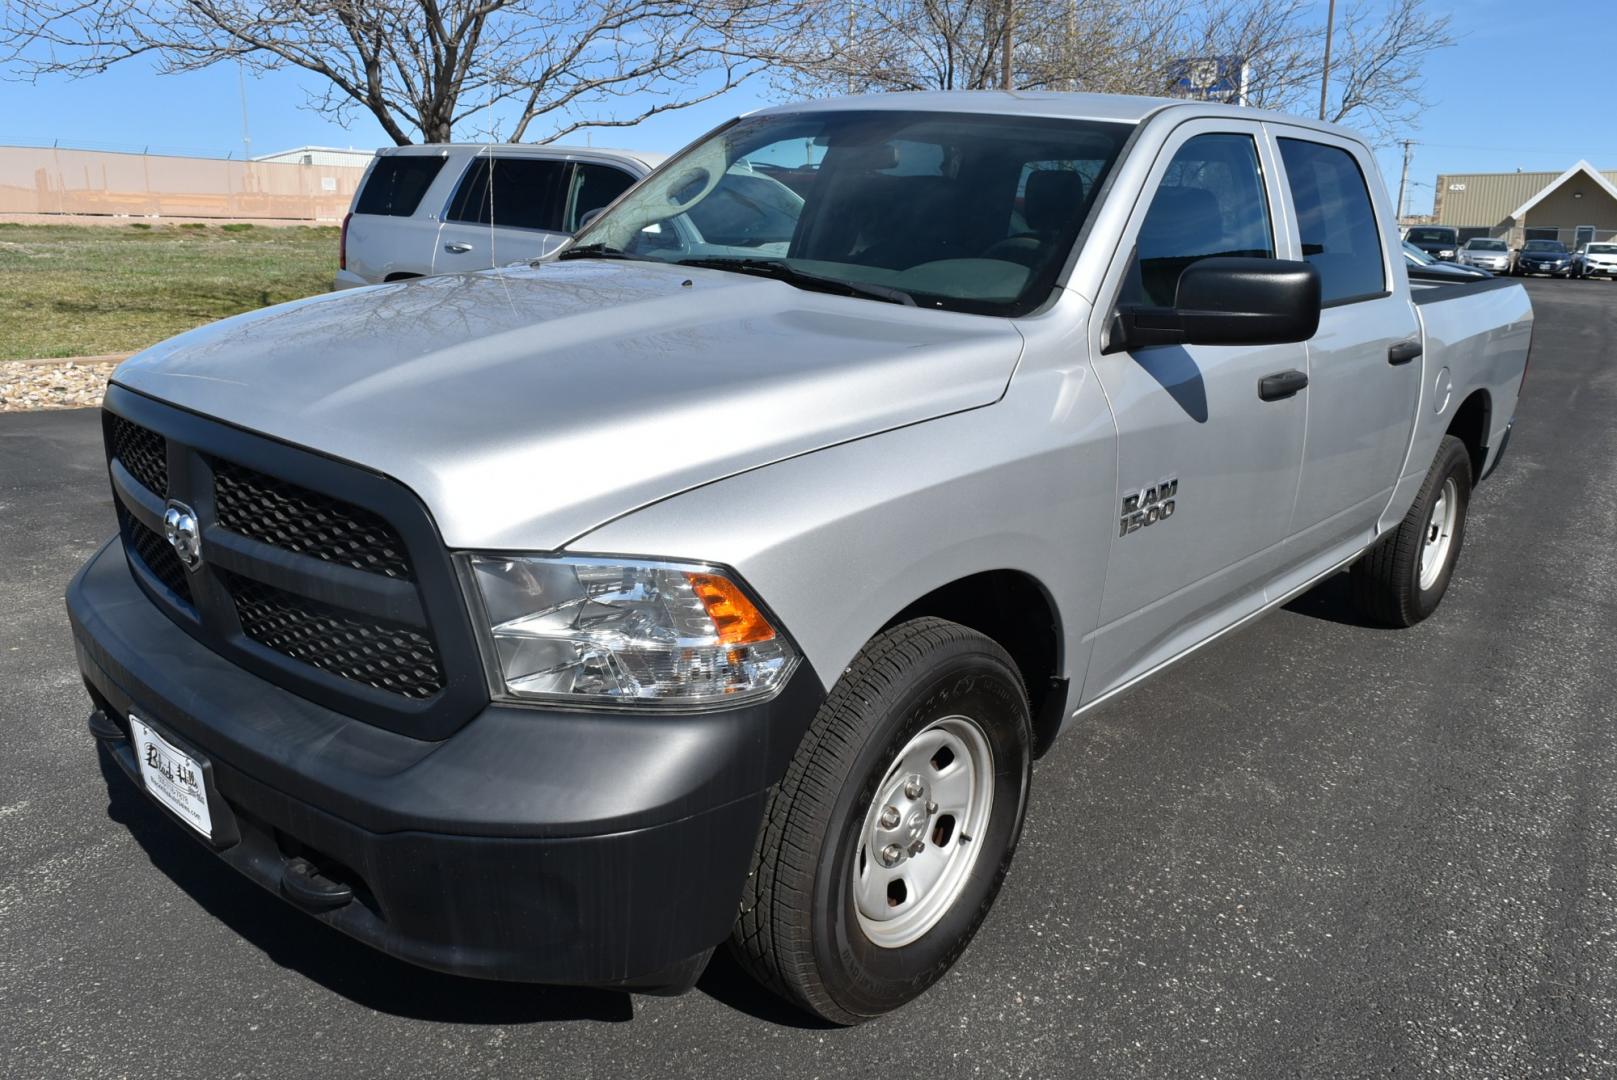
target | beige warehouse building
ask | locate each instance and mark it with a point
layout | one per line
(1574, 207)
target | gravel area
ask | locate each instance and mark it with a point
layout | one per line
(67, 384)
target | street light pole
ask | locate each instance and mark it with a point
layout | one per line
(1325, 75)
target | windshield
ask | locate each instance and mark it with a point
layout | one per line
(1601, 249)
(1486, 245)
(1545, 245)
(960, 211)
(1415, 254)
(1431, 236)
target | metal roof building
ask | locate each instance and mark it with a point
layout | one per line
(320, 155)
(1574, 206)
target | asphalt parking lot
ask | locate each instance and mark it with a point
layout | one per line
(1313, 849)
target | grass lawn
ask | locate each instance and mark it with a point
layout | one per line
(81, 290)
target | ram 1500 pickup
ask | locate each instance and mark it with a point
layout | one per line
(720, 578)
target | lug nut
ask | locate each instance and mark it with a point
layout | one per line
(913, 788)
(931, 807)
(891, 854)
(889, 818)
(917, 847)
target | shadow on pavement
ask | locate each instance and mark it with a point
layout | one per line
(725, 982)
(323, 955)
(1332, 601)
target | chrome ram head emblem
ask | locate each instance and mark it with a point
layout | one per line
(183, 535)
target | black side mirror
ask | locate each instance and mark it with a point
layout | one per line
(1227, 301)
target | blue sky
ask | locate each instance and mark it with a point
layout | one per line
(1493, 107)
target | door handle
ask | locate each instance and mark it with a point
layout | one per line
(457, 249)
(1281, 385)
(1403, 352)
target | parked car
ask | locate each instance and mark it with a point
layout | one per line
(1597, 259)
(449, 208)
(1486, 253)
(1441, 241)
(564, 623)
(1424, 267)
(1549, 257)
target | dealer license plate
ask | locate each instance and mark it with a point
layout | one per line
(172, 777)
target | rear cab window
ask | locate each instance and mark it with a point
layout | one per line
(1335, 220)
(396, 184)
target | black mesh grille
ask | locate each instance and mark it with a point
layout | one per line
(297, 519)
(142, 452)
(392, 658)
(159, 558)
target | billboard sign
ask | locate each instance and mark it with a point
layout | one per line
(1210, 78)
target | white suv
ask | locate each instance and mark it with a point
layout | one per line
(448, 208)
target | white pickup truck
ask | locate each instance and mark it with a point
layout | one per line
(721, 578)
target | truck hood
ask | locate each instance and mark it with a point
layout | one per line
(526, 407)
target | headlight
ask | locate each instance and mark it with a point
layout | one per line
(592, 631)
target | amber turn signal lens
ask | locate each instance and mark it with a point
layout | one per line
(735, 619)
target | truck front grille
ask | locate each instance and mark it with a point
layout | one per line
(318, 575)
(296, 519)
(154, 551)
(394, 659)
(141, 451)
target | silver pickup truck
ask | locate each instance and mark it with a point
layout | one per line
(720, 578)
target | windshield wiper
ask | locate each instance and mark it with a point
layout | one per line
(782, 271)
(595, 251)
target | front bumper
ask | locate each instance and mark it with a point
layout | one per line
(532, 845)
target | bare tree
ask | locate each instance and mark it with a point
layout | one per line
(1122, 46)
(423, 68)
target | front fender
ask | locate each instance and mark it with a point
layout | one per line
(839, 541)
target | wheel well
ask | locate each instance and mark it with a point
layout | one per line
(400, 277)
(1470, 426)
(1012, 608)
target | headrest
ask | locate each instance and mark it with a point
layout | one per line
(1182, 220)
(1052, 198)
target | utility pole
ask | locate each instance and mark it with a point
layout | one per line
(1005, 45)
(1325, 75)
(1403, 180)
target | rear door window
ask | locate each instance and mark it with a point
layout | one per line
(397, 183)
(517, 193)
(1335, 220)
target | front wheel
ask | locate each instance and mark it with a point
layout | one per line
(1402, 579)
(885, 845)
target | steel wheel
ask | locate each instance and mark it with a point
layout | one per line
(1434, 553)
(918, 846)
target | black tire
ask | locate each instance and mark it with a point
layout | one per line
(798, 930)
(1387, 578)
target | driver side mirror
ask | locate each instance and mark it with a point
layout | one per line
(1226, 301)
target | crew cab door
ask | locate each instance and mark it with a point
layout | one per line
(505, 209)
(1208, 464)
(1364, 365)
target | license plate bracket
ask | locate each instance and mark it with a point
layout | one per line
(179, 778)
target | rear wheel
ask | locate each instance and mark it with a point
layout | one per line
(1402, 579)
(885, 845)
